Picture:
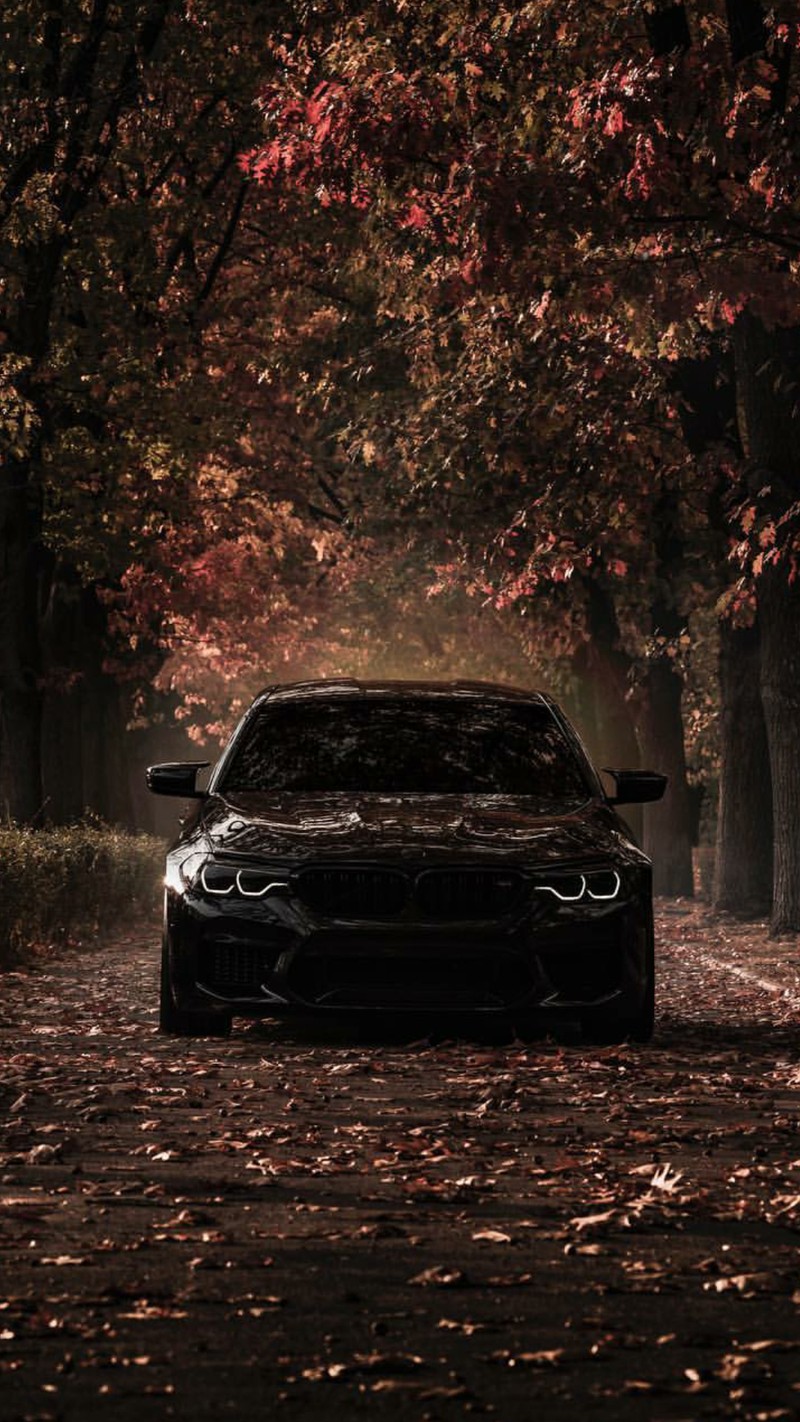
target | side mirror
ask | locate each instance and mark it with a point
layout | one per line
(636, 787)
(176, 778)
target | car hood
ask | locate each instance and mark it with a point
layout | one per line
(301, 827)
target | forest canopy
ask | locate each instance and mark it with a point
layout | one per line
(407, 338)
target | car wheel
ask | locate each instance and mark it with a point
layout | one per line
(176, 1022)
(607, 1028)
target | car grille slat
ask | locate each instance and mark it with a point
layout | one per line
(464, 894)
(366, 893)
(374, 893)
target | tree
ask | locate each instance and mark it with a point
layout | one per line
(120, 206)
(724, 98)
(427, 149)
(651, 158)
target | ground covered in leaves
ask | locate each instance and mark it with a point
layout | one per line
(302, 1220)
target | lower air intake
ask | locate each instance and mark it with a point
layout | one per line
(229, 966)
(584, 974)
(396, 982)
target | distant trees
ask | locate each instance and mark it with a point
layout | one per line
(502, 300)
(576, 220)
(125, 399)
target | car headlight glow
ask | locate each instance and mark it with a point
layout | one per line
(600, 885)
(603, 884)
(221, 880)
(181, 874)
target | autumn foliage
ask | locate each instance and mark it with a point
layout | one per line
(445, 337)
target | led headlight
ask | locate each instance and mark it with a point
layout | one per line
(255, 883)
(603, 884)
(217, 878)
(568, 888)
(600, 885)
(222, 880)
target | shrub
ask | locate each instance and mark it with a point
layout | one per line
(58, 883)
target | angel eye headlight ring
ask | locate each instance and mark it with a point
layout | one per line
(255, 883)
(612, 883)
(217, 880)
(600, 885)
(249, 883)
(572, 881)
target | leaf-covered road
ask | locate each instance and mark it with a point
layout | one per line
(292, 1220)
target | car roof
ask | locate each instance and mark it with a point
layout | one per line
(351, 686)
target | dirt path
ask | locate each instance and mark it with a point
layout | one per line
(290, 1220)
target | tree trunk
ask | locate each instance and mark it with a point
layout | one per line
(85, 744)
(22, 568)
(779, 611)
(743, 867)
(746, 28)
(62, 754)
(106, 780)
(667, 28)
(605, 667)
(767, 366)
(62, 740)
(105, 752)
(668, 823)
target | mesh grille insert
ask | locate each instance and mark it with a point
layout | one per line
(225, 966)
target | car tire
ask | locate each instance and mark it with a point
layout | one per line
(606, 1028)
(177, 1022)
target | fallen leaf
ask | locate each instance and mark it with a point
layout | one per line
(588, 1221)
(441, 1276)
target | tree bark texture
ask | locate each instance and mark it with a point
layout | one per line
(667, 29)
(62, 729)
(85, 749)
(22, 568)
(85, 88)
(668, 823)
(606, 722)
(605, 667)
(768, 386)
(743, 865)
(705, 388)
(779, 611)
(106, 784)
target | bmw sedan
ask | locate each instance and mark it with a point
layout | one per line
(425, 847)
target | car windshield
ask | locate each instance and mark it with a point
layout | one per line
(435, 745)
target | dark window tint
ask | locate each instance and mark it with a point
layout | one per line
(385, 745)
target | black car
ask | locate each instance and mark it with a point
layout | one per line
(407, 847)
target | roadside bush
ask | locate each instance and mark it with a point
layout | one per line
(58, 883)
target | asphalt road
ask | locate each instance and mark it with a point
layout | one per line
(300, 1221)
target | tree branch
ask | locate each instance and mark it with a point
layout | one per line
(225, 244)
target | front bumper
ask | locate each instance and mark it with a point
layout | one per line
(275, 956)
